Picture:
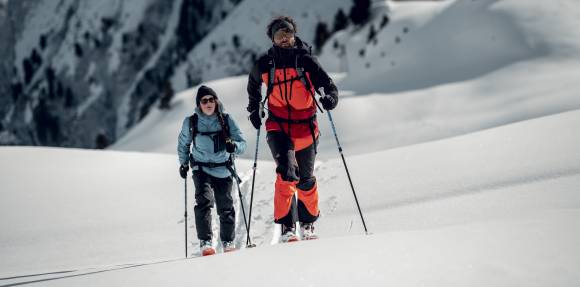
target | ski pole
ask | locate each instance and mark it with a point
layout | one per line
(253, 182)
(344, 162)
(185, 215)
(238, 180)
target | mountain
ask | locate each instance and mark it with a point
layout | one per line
(232, 47)
(80, 74)
(75, 70)
(445, 82)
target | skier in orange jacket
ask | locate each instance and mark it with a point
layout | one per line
(291, 74)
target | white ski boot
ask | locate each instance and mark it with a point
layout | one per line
(307, 231)
(228, 246)
(288, 234)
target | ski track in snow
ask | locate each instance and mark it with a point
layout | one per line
(77, 273)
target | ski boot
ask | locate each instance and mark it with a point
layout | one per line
(228, 246)
(206, 248)
(307, 231)
(288, 234)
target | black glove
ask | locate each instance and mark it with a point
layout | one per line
(183, 171)
(230, 146)
(255, 119)
(328, 102)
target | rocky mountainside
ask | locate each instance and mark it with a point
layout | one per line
(79, 73)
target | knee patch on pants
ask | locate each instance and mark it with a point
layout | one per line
(309, 198)
(284, 190)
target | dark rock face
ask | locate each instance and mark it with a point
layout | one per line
(76, 71)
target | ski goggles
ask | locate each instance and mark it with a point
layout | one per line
(282, 26)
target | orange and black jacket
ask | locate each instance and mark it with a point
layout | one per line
(291, 105)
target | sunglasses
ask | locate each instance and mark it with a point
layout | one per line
(207, 100)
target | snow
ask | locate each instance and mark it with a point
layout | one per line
(470, 180)
(96, 91)
(500, 202)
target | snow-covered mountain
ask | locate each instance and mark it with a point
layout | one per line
(233, 46)
(73, 70)
(446, 82)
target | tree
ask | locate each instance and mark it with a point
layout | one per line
(78, 50)
(321, 36)
(42, 41)
(360, 11)
(372, 34)
(16, 89)
(36, 59)
(236, 41)
(340, 21)
(166, 96)
(50, 77)
(28, 70)
(101, 141)
(384, 21)
(68, 98)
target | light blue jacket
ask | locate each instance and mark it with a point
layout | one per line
(203, 151)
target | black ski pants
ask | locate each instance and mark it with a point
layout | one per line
(208, 188)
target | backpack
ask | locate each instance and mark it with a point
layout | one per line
(219, 137)
(301, 77)
(305, 82)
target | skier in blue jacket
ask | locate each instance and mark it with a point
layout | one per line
(207, 140)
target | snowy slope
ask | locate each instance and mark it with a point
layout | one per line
(457, 41)
(496, 207)
(469, 181)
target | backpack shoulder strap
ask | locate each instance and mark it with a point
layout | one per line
(271, 75)
(193, 127)
(305, 82)
(226, 125)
